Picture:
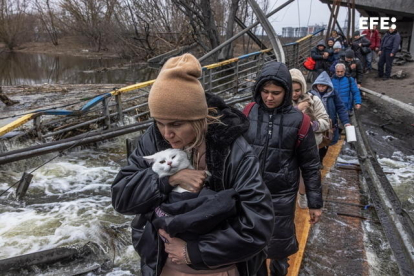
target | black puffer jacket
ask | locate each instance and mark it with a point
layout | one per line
(317, 55)
(233, 165)
(273, 134)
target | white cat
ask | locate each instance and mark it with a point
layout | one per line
(168, 162)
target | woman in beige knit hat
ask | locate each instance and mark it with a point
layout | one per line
(188, 118)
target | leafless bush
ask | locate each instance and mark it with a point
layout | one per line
(47, 16)
(15, 24)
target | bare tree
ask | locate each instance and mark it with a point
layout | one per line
(201, 19)
(151, 27)
(14, 23)
(48, 18)
(91, 18)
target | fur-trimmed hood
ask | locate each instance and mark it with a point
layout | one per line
(297, 76)
(234, 122)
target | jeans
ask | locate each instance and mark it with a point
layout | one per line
(368, 59)
(386, 59)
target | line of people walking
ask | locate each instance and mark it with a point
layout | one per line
(251, 164)
(358, 54)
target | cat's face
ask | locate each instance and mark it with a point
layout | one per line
(168, 162)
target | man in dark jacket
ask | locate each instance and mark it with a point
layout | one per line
(360, 45)
(321, 57)
(273, 134)
(390, 44)
(353, 66)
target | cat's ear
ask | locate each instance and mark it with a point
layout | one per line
(149, 158)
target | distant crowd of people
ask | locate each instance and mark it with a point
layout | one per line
(358, 54)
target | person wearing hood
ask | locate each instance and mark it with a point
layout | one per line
(390, 45)
(358, 45)
(346, 87)
(321, 56)
(338, 38)
(353, 66)
(337, 52)
(273, 134)
(323, 88)
(313, 107)
(187, 118)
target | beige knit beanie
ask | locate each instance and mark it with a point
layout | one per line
(177, 93)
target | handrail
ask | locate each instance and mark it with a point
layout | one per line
(304, 38)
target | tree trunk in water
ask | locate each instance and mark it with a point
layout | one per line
(6, 99)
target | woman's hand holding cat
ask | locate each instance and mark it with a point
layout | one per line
(303, 105)
(175, 248)
(191, 180)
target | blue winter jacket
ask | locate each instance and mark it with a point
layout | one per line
(332, 102)
(348, 90)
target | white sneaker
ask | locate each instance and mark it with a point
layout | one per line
(302, 201)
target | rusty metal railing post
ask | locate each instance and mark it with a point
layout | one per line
(210, 81)
(236, 80)
(38, 127)
(119, 108)
(105, 104)
(203, 79)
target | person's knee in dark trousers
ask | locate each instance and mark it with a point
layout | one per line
(279, 267)
(388, 65)
(381, 63)
(322, 154)
(263, 269)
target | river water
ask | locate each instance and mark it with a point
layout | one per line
(28, 69)
(68, 203)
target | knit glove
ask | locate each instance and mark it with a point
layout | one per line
(315, 125)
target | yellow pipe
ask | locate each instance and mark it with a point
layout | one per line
(15, 124)
(266, 50)
(218, 64)
(304, 38)
(132, 87)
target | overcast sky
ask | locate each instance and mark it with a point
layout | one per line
(302, 12)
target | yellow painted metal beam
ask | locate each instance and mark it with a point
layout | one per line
(15, 124)
(304, 38)
(132, 87)
(222, 63)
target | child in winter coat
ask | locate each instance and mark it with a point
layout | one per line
(323, 88)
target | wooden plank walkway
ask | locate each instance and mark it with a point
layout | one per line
(302, 215)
